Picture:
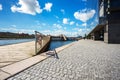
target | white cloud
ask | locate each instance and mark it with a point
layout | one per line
(92, 23)
(13, 26)
(58, 26)
(57, 29)
(1, 7)
(61, 31)
(78, 24)
(84, 24)
(63, 11)
(78, 29)
(84, 15)
(65, 20)
(56, 32)
(64, 28)
(27, 6)
(72, 22)
(43, 24)
(48, 7)
(46, 31)
(75, 28)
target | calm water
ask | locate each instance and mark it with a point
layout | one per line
(14, 41)
(56, 44)
(53, 44)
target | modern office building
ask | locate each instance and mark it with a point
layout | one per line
(108, 28)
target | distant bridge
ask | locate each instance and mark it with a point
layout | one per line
(60, 37)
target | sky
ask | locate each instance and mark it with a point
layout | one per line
(54, 17)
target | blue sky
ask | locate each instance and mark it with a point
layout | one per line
(69, 17)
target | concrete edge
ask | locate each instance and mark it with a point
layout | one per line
(20, 66)
(13, 69)
(3, 75)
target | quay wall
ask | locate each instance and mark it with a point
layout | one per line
(13, 53)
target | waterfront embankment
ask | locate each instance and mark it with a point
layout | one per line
(16, 52)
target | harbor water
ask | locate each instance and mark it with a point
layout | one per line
(56, 44)
(13, 41)
(53, 44)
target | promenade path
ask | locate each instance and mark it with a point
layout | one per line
(85, 60)
(10, 54)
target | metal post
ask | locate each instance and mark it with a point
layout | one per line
(35, 42)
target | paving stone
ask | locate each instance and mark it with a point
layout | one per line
(49, 78)
(85, 60)
(71, 76)
(44, 76)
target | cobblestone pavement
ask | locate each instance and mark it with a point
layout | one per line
(85, 60)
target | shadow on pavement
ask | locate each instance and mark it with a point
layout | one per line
(53, 53)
